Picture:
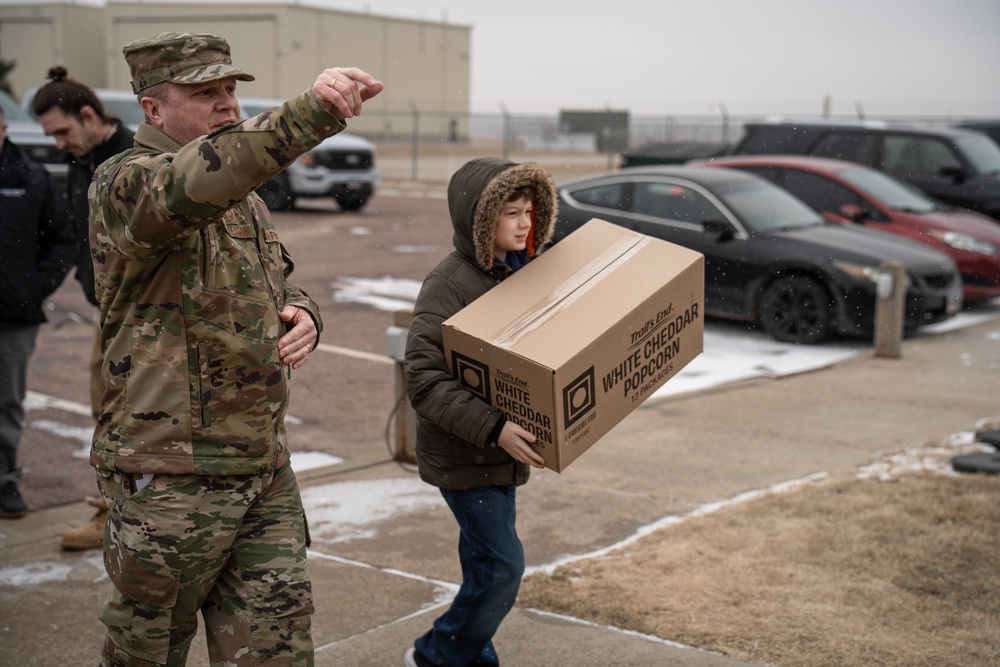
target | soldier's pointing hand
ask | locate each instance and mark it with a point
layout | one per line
(342, 90)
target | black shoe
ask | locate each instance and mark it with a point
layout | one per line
(11, 504)
(991, 437)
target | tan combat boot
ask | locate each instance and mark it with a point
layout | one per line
(90, 535)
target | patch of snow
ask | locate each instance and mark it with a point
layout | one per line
(386, 293)
(34, 573)
(302, 461)
(82, 434)
(346, 511)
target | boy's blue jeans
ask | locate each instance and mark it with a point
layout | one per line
(492, 564)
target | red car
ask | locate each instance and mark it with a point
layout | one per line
(846, 192)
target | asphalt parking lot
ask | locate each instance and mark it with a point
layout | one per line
(360, 267)
(383, 558)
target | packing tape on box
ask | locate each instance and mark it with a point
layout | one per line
(573, 288)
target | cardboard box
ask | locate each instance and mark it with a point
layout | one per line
(577, 339)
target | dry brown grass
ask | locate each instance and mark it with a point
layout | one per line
(841, 572)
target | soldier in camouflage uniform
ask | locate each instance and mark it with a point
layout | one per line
(200, 330)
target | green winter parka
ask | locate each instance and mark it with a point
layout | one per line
(453, 425)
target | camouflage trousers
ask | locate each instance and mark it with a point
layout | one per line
(233, 547)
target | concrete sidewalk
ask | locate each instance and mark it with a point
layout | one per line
(381, 583)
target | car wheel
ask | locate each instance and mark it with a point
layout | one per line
(351, 202)
(797, 309)
(276, 193)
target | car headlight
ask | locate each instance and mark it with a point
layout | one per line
(859, 271)
(961, 241)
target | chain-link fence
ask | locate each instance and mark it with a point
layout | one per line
(416, 145)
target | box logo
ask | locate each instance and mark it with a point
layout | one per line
(473, 375)
(579, 397)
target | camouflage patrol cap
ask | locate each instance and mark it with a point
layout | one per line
(180, 57)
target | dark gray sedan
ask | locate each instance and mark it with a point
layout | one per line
(769, 258)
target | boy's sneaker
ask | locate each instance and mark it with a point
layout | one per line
(90, 535)
(413, 659)
(11, 504)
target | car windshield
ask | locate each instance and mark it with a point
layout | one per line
(126, 109)
(12, 112)
(895, 195)
(251, 109)
(764, 207)
(982, 152)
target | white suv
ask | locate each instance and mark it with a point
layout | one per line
(343, 166)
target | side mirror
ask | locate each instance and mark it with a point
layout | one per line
(952, 170)
(852, 212)
(722, 230)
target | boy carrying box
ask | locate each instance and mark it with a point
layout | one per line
(502, 213)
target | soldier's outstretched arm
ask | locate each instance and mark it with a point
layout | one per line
(342, 90)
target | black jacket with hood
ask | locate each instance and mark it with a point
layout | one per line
(36, 244)
(78, 178)
(454, 427)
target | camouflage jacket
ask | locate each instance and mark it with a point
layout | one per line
(190, 277)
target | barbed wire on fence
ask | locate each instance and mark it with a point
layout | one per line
(424, 145)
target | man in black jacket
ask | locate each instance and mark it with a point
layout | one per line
(74, 116)
(36, 252)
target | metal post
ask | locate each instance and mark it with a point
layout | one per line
(725, 122)
(606, 138)
(890, 317)
(416, 140)
(506, 130)
(406, 418)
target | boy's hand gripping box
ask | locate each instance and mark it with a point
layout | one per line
(577, 339)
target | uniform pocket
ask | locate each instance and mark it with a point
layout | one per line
(138, 612)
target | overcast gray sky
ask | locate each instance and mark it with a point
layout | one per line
(752, 56)
(890, 57)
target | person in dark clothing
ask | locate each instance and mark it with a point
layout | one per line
(502, 213)
(36, 252)
(72, 114)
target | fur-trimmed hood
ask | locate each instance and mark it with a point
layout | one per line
(476, 194)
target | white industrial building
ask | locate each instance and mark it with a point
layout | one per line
(425, 65)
